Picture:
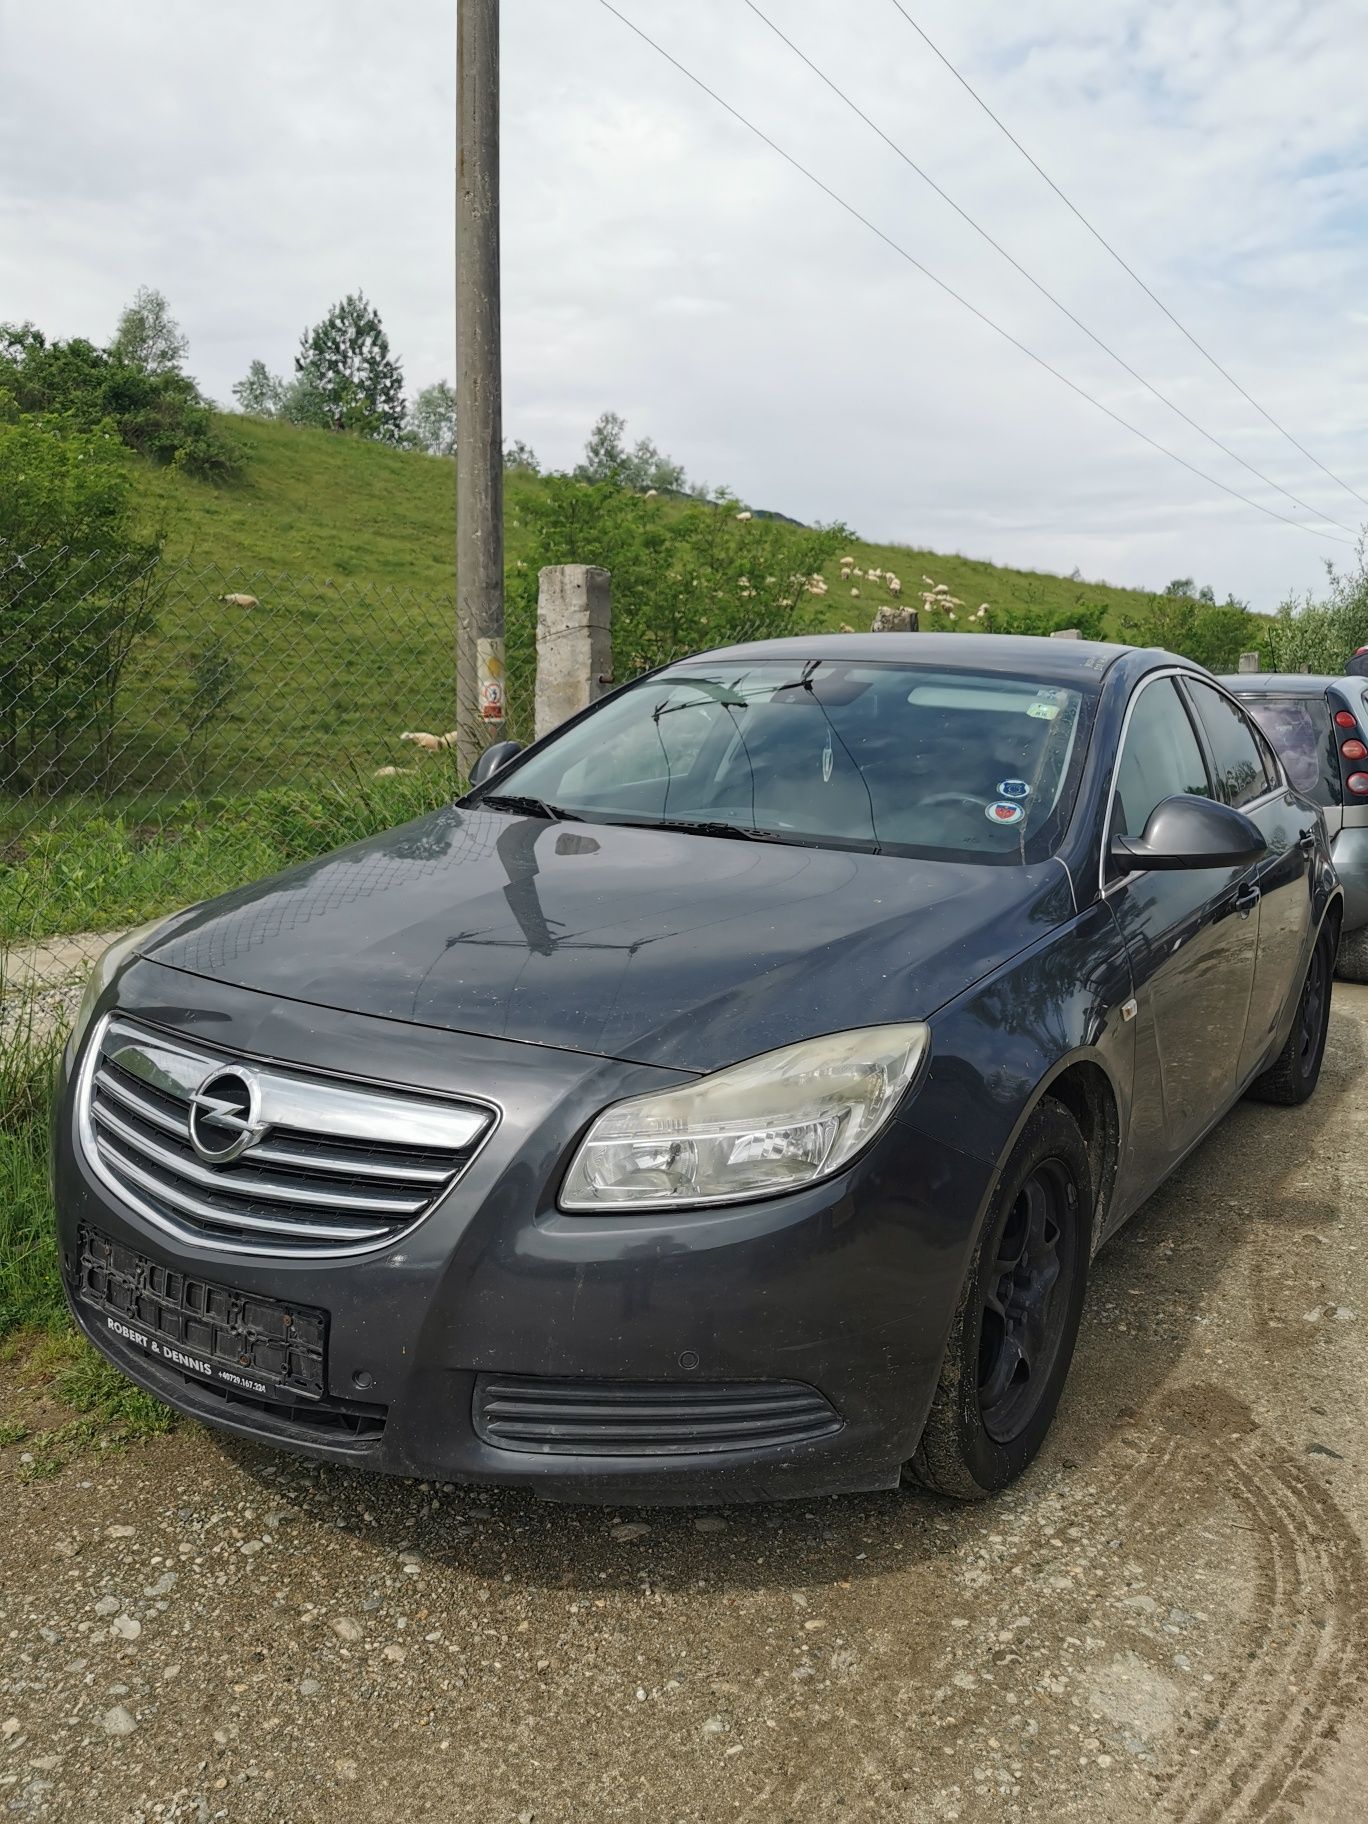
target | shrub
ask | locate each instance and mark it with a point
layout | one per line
(79, 587)
(160, 413)
(686, 576)
(1322, 636)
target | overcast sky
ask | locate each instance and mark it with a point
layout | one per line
(256, 160)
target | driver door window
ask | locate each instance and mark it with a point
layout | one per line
(1191, 948)
(1161, 758)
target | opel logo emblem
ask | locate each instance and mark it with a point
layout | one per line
(225, 1116)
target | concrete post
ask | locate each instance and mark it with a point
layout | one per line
(894, 620)
(1249, 661)
(1066, 633)
(574, 641)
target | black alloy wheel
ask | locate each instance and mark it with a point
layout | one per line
(1292, 1077)
(1026, 1301)
(1013, 1332)
(1314, 1010)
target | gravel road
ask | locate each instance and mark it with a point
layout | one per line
(1167, 1619)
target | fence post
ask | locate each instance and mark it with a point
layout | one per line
(574, 641)
(894, 620)
(1249, 661)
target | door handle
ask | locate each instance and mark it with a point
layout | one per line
(1306, 842)
(1246, 900)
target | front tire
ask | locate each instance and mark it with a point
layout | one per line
(1293, 1076)
(1018, 1317)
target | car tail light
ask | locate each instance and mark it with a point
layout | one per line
(1343, 719)
(1354, 750)
(1358, 784)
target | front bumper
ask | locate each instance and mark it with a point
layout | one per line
(846, 1289)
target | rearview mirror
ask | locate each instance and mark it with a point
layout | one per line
(493, 760)
(1186, 832)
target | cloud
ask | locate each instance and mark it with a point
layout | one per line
(257, 163)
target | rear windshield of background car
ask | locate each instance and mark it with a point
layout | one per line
(1301, 730)
(960, 765)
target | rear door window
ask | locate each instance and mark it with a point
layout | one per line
(1237, 754)
(1304, 737)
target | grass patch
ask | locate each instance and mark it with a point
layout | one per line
(30, 1293)
(82, 872)
(59, 1367)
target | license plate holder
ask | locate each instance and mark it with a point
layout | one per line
(248, 1344)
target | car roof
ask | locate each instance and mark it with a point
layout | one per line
(1078, 662)
(1285, 683)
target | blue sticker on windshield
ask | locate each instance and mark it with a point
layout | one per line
(1004, 813)
(1013, 788)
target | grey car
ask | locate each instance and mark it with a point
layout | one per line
(1319, 726)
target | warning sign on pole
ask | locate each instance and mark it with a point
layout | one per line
(490, 667)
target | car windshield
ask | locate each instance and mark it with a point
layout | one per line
(877, 756)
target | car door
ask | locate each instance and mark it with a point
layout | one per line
(1190, 935)
(1248, 775)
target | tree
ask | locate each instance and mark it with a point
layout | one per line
(160, 415)
(605, 450)
(1322, 636)
(148, 335)
(346, 364)
(432, 420)
(520, 455)
(260, 393)
(643, 466)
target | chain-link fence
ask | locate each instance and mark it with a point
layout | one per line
(170, 729)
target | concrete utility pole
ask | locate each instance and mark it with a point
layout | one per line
(479, 402)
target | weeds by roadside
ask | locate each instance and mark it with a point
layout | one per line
(58, 1371)
(84, 872)
(29, 1288)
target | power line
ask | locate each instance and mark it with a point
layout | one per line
(1102, 240)
(950, 291)
(1043, 289)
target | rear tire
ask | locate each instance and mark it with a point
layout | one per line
(1017, 1321)
(1293, 1076)
(1351, 965)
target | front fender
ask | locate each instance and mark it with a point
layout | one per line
(1000, 1045)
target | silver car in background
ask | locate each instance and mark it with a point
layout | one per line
(1319, 726)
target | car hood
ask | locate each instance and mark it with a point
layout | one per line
(648, 945)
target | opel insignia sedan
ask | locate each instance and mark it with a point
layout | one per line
(725, 1099)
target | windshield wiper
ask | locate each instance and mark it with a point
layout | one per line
(529, 807)
(713, 826)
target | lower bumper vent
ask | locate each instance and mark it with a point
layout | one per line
(647, 1418)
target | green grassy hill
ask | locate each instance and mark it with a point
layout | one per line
(314, 505)
(347, 549)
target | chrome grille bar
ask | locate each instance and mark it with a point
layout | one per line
(242, 1181)
(338, 1167)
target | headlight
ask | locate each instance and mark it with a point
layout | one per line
(106, 965)
(772, 1124)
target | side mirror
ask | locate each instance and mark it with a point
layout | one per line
(493, 760)
(1185, 832)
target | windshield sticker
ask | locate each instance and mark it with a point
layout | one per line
(1043, 712)
(827, 760)
(1004, 813)
(1013, 788)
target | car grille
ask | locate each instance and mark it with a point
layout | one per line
(331, 1167)
(647, 1418)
